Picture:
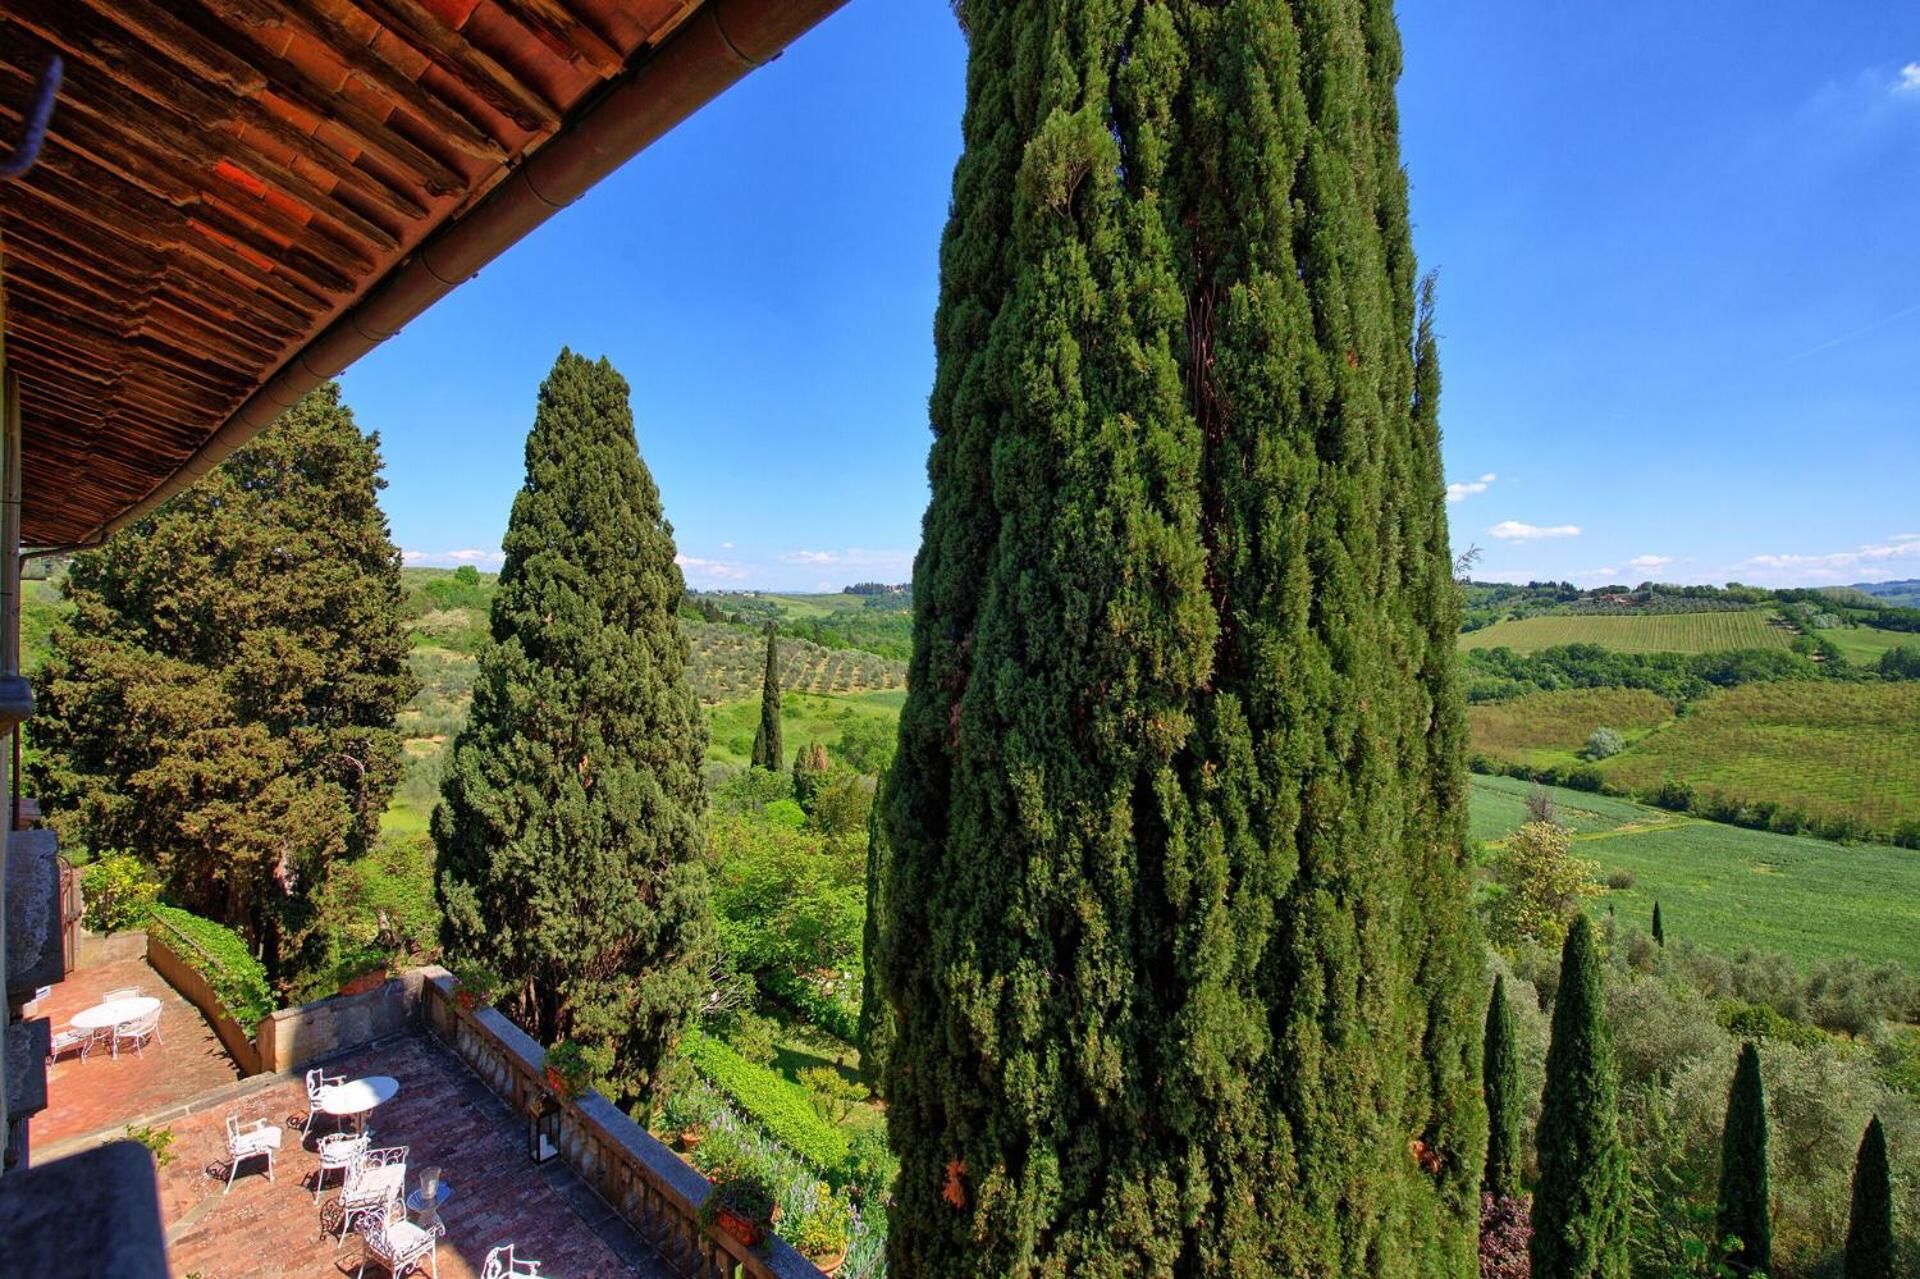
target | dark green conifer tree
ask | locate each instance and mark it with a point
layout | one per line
(221, 698)
(1743, 1210)
(1580, 1201)
(1175, 827)
(1506, 1113)
(767, 750)
(876, 1016)
(1870, 1228)
(1659, 929)
(569, 829)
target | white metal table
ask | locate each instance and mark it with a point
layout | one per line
(115, 1013)
(357, 1098)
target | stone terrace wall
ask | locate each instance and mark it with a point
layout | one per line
(292, 1037)
(194, 988)
(647, 1184)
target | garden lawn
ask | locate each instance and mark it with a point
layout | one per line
(804, 717)
(1863, 645)
(1650, 633)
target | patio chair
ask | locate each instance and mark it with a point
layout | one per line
(400, 1246)
(137, 1032)
(318, 1079)
(375, 1180)
(254, 1139)
(124, 992)
(339, 1152)
(71, 1040)
(502, 1264)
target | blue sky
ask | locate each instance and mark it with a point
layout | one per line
(1679, 256)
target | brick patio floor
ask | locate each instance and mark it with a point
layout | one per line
(102, 1092)
(447, 1117)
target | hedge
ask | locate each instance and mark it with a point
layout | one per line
(828, 1014)
(217, 953)
(779, 1107)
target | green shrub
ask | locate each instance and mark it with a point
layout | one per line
(218, 954)
(781, 1108)
(827, 1013)
(158, 1141)
(119, 889)
(1604, 744)
(833, 1095)
(753, 1037)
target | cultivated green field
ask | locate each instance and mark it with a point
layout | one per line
(804, 717)
(1651, 633)
(1863, 645)
(729, 662)
(1829, 749)
(1542, 729)
(1724, 887)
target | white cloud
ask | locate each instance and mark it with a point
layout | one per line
(1906, 537)
(726, 546)
(852, 557)
(1909, 81)
(1835, 565)
(1515, 531)
(1460, 490)
(1649, 563)
(710, 572)
(452, 559)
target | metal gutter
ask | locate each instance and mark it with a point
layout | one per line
(712, 50)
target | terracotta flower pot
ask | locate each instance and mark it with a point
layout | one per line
(747, 1231)
(690, 1138)
(829, 1266)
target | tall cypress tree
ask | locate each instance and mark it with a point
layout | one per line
(1175, 826)
(1659, 929)
(1500, 1075)
(1743, 1211)
(1580, 1202)
(1870, 1228)
(569, 828)
(222, 698)
(876, 1017)
(767, 749)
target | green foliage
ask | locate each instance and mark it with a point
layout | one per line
(158, 1141)
(866, 745)
(1542, 885)
(219, 954)
(823, 1231)
(824, 1011)
(1580, 1202)
(1659, 926)
(377, 909)
(767, 749)
(833, 1095)
(1693, 632)
(1761, 1022)
(1901, 662)
(569, 833)
(1743, 1210)
(782, 1108)
(1870, 1247)
(221, 698)
(876, 1029)
(579, 1066)
(1500, 1076)
(119, 890)
(787, 899)
(754, 1037)
(1184, 976)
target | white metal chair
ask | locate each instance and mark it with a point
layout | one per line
(339, 1152)
(255, 1139)
(124, 992)
(377, 1179)
(69, 1040)
(137, 1032)
(502, 1264)
(400, 1246)
(317, 1079)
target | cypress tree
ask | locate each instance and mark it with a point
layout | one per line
(1659, 930)
(767, 750)
(1500, 1075)
(1870, 1228)
(221, 699)
(876, 1017)
(1743, 1207)
(569, 828)
(1175, 826)
(1580, 1202)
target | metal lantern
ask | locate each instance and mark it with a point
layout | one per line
(543, 1129)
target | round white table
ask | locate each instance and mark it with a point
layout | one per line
(116, 1013)
(357, 1097)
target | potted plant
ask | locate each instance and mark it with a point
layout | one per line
(571, 1068)
(680, 1117)
(742, 1207)
(824, 1231)
(476, 986)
